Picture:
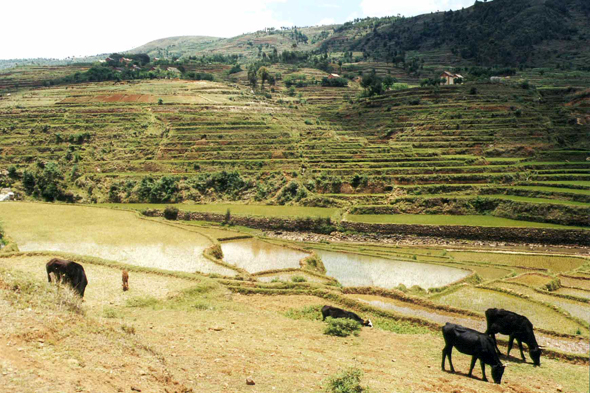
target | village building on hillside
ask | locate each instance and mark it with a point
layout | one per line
(450, 78)
(333, 76)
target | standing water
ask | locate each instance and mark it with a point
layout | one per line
(255, 255)
(354, 270)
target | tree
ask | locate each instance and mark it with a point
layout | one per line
(264, 75)
(388, 82)
(252, 75)
(372, 83)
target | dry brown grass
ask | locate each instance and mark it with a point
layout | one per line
(178, 344)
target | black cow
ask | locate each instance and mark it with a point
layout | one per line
(472, 342)
(335, 312)
(68, 272)
(517, 327)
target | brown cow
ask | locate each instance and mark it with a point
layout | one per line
(125, 276)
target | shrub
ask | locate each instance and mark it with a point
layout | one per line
(473, 91)
(334, 82)
(171, 213)
(227, 217)
(160, 101)
(12, 173)
(163, 190)
(347, 381)
(298, 279)
(342, 327)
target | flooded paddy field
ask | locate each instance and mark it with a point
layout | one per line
(355, 270)
(108, 234)
(255, 255)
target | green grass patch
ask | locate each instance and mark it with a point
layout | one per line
(441, 219)
(237, 209)
(311, 313)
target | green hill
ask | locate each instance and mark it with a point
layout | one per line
(249, 46)
(503, 32)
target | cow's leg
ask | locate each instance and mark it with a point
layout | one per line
(510, 343)
(521, 351)
(473, 360)
(48, 275)
(483, 370)
(447, 352)
(493, 336)
(451, 359)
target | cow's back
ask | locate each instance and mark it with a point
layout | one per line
(507, 322)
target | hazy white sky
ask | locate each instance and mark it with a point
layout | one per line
(62, 28)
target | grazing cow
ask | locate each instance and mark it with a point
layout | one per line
(335, 312)
(516, 327)
(472, 342)
(125, 276)
(68, 272)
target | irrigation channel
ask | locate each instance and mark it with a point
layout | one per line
(125, 237)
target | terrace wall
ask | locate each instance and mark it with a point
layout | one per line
(504, 234)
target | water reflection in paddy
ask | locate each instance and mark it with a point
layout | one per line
(256, 256)
(108, 234)
(353, 270)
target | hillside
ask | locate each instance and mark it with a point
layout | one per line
(413, 151)
(502, 32)
(248, 46)
(538, 33)
(177, 46)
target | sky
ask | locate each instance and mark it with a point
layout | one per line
(65, 28)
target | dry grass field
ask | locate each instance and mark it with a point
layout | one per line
(195, 336)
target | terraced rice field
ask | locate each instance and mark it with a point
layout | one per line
(108, 234)
(544, 262)
(479, 300)
(497, 144)
(361, 270)
(257, 256)
(483, 221)
(238, 209)
(574, 308)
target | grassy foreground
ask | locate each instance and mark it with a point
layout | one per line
(194, 336)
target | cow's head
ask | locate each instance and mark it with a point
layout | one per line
(368, 323)
(536, 356)
(497, 372)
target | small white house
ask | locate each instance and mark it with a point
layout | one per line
(450, 78)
